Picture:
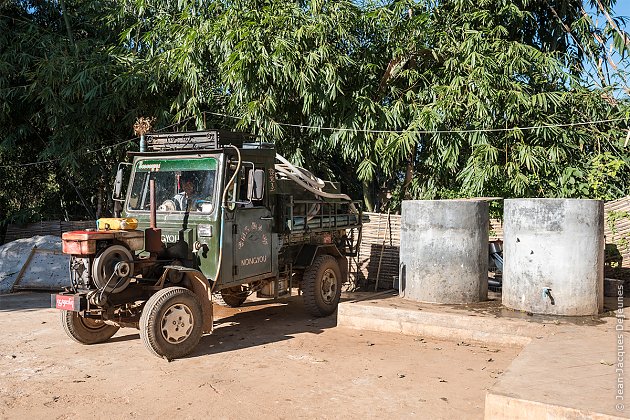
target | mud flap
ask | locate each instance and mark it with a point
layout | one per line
(201, 287)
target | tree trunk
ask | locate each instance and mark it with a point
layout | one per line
(66, 20)
(88, 209)
(367, 196)
(409, 172)
(62, 203)
(99, 197)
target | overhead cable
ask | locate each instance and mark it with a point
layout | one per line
(88, 151)
(475, 130)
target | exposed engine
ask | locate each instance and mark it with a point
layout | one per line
(102, 262)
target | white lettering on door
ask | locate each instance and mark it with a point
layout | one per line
(253, 260)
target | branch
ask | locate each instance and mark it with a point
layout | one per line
(608, 58)
(567, 29)
(610, 20)
(66, 20)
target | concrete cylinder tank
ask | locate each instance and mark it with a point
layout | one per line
(444, 251)
(553, 252)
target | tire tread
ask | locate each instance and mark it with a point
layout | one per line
(150, 312)
(309, 284)
(71, 322)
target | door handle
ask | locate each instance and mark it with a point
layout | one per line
(266, 218)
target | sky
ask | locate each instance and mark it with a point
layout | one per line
(622, 8)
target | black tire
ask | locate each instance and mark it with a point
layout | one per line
(171, 323)
(321, 286)
(232, 297)
(86, 330)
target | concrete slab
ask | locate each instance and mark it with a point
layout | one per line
(485, 322)
(568, 368)
(571, 374)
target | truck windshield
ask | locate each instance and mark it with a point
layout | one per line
(180, 184)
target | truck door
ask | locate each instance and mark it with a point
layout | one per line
(252, 247)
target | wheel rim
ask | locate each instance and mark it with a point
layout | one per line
(92, 324)
(329, 286)
(177, 323)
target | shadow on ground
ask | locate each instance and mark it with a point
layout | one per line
(254, 324)
(24, 301)
(258, 323)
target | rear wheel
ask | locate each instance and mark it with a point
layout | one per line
(232, 296)
(86, 330)
(321, 286)
(171, 323)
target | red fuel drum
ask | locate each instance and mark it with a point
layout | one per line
(83, 242)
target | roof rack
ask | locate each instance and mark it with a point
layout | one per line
(194, 140)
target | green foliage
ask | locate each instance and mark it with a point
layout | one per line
(603, 174)
(612, 218)
(395, 99)
(66, 102)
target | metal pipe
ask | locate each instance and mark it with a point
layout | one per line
(153, 215)
(494, 283)
(311, 179)
(308, 186)
(143, 143)
(224, 204)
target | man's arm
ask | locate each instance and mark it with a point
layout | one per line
(180, 201)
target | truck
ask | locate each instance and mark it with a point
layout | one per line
(207, 216)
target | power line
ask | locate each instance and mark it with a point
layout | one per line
(88, 151)
(321, 128)
(41, 162)
(113, 145)
(476, 130)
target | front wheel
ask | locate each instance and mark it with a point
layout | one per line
(171, 323)
(86, 330)
(321, 286)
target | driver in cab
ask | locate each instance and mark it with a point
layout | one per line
(184, 199)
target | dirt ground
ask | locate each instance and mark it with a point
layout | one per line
(262, 361)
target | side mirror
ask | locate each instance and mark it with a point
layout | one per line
(117, 193)
(120, 174)
(256, 185)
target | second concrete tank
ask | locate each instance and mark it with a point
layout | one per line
(444, 251)
(553, 254)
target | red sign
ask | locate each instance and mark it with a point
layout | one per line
(65, 302)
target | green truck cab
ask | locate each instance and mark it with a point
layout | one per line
(206, 216)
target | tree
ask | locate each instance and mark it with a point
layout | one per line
(400, 99)
(68, 100)
(416, 90)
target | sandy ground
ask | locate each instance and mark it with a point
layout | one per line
(262, 361)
